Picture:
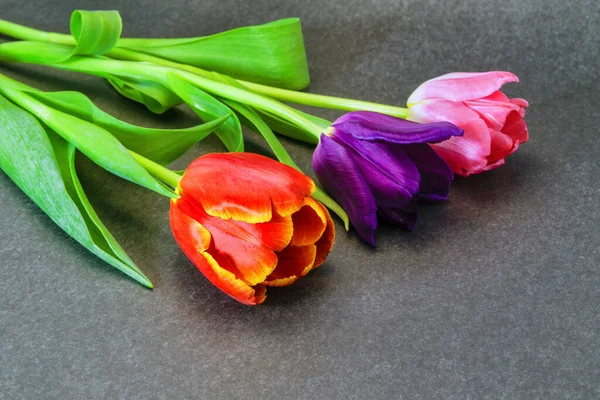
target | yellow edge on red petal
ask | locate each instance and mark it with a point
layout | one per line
(282, 281)
(289, 207)
(325, 243)
(321, 214)
(293, 278)
(241, 291)
(239, 213)
(312, 264)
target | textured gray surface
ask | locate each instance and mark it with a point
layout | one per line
(495, 295)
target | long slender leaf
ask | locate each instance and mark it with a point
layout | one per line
(160, 145)
(95, 142)
(207, 108)
(27, 156)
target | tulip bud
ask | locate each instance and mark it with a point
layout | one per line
(493, 123)
(375, 164)
(247, 222)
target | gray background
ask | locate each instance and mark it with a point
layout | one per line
(495, 295)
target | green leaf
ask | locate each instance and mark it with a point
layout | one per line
(155, 96)
(159, 145)
(93, 141)
(207, 108)
(96, 32)
(27, 157)
(291, 130)
(272, 54)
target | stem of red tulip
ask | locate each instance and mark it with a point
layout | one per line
(161, 173)
(315, 100)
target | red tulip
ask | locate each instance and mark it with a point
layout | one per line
(493, 124)
(247, 222)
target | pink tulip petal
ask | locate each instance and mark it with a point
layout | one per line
(495, 165)
(516, 128)
(461, 86)
(493, 109)
(520, 102)
(502, 146)
(465, 154)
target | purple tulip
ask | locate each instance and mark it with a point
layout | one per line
(375, 164)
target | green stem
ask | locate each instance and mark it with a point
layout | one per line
(25, 33)
(104, 67)
(161, 173)
(309, 99)
(318, 100)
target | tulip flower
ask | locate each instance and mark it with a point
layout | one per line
(375, 164)
(493, 123)
(247, 222)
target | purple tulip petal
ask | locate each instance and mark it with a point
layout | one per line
(343, 179)
(388, 170)
(436, 174)
(372, 126)
(405, 217)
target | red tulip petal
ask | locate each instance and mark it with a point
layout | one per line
(245, 186)
(247, 249)
(195, 240)
(325, 243)
(309, 223)
(294, 262)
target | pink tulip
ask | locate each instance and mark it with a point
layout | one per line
(493, 123)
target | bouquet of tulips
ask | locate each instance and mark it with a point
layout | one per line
(246, 221)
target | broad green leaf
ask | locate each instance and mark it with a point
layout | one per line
(208, 108)
(272, 54)
(93, 141)
(254, 121)
(28, 158)
(159, 145)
